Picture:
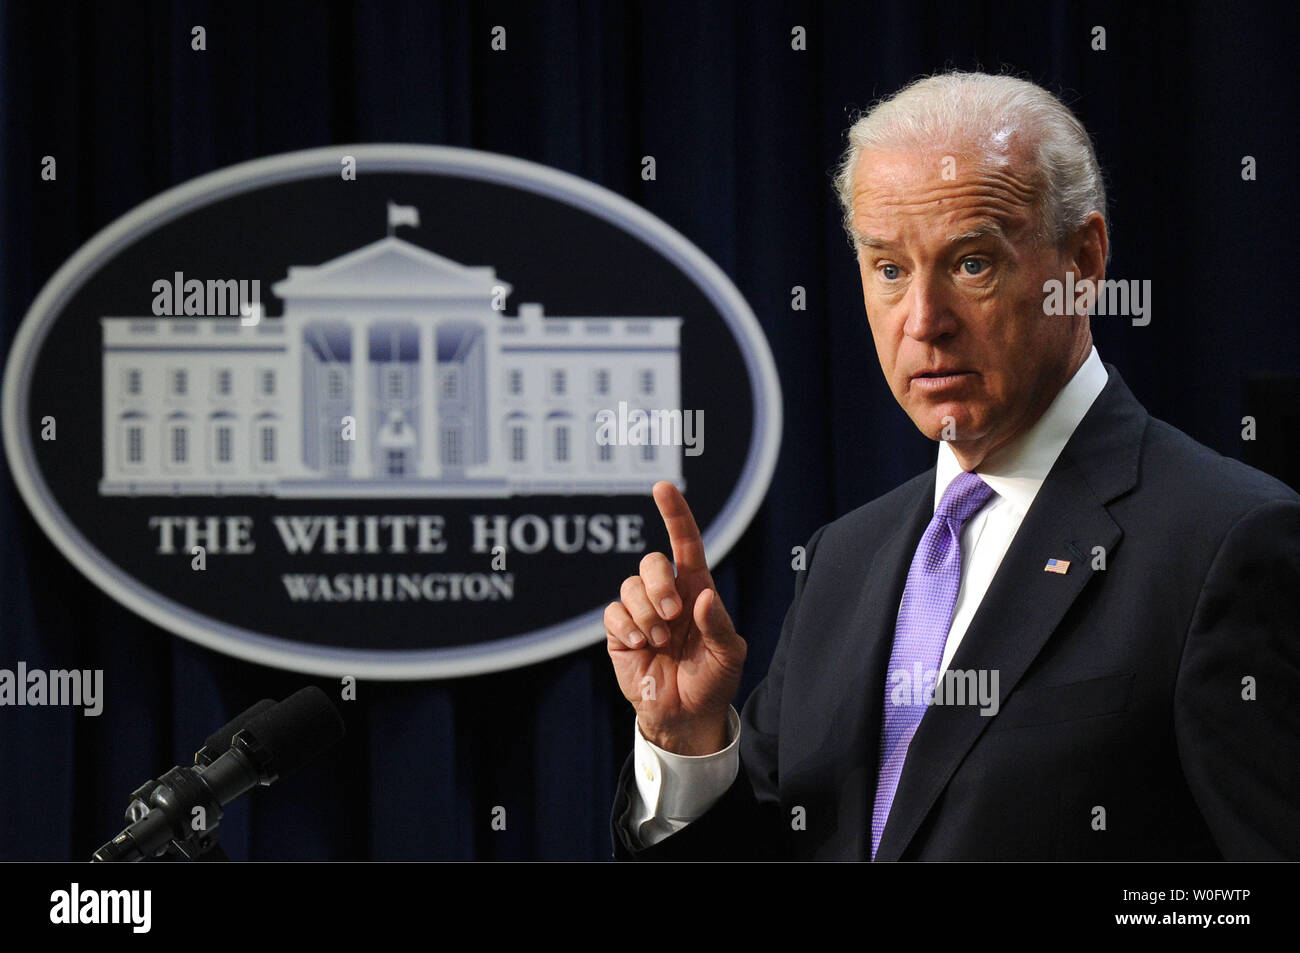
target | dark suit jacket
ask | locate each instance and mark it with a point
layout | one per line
(1121, 689)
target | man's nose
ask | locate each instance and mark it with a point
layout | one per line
(930, 313)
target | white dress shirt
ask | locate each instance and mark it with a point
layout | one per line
(672, 790)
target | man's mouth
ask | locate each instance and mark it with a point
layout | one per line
(939, 379)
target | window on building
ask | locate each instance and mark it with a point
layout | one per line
(647, 382)
(338, 449)
(335, 384)
(518, 444)
(134, 381)
(605, 452)
(224, 444)
(649, 452)
(266, 443)
(395, 383)
(602, 381)
(561, 443)
(515, 381)
(451, 383)
(180, 382)
(180, 444)
(451, 446)
(135, 445)
(559, 382)
(267, 383)
(396, 463)
(224, 382)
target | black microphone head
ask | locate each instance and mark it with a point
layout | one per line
(218, 743)
(295, 731)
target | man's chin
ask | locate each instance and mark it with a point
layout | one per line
(941, 421)
(949, 426)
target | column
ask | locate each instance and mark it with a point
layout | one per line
(430, 462)
(293, 412)
(360, 465)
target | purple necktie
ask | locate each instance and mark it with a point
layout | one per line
(922, 631)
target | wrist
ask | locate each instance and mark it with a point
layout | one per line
(693, 740)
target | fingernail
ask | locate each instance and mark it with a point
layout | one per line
(635, 640)
(669, 607)
(659, 635)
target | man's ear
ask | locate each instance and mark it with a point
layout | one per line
(1085, 250)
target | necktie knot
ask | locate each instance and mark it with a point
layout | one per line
(965, 494)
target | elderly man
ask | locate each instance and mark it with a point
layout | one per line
(1074, 638)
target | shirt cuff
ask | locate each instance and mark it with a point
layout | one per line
(673, 789)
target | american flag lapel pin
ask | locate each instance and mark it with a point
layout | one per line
(1059, 566)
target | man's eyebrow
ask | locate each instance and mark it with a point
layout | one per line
(982, 230)
(871, 241)
(979, 231)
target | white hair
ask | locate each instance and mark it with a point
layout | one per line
(958, 106)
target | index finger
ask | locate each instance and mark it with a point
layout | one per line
(683, 534)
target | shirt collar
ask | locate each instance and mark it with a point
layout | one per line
(1017, 470)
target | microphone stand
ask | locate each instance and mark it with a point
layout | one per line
(199, 846)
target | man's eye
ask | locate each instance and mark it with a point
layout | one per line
(980, 265)
(889, 271)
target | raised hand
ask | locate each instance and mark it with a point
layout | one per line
(676, 654)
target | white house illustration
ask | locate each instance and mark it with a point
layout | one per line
(448, 395)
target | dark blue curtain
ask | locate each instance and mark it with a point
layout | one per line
(745, 131)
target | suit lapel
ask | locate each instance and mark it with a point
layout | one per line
(1067, 519)
(857, 668)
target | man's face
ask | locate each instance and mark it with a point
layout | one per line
(952, 278)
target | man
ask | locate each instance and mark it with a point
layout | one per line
(1119, 602)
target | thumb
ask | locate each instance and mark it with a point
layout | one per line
(714, 623)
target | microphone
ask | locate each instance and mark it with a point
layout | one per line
(182, 808)
(218, 743)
